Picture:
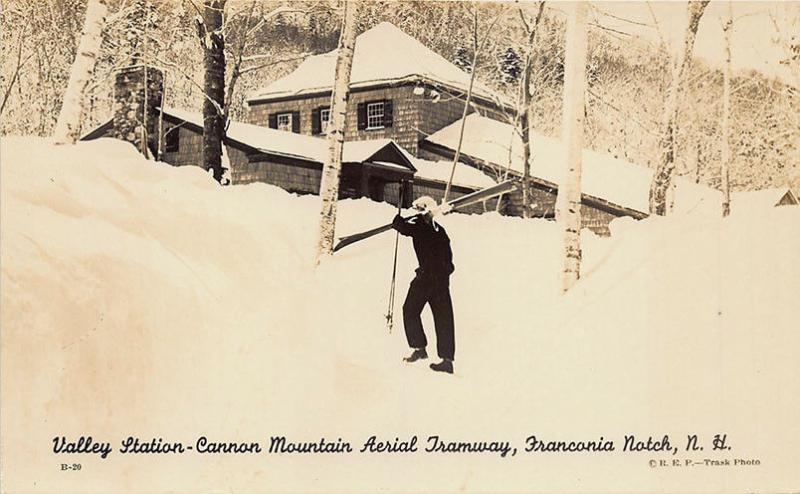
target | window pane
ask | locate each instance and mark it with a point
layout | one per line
(324, 119)
(285, 121)
(375, 115)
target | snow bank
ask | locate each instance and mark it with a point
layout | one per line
(142, 299)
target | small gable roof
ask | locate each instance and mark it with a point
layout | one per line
(383, 54)
(762, 199)
(439, 171)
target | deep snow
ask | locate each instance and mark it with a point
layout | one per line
(142, 299)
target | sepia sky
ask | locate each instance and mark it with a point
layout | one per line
(753, 41)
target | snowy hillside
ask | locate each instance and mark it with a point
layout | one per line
(142, 299)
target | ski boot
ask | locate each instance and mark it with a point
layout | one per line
(417, 354)
(446, 365)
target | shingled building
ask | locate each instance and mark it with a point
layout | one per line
(403, 120)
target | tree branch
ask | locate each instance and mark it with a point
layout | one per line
(623, 19)
(189, 78)
(623, 33)
(20, 63)
(273, 62)
(657, 25)
(237, 64)
(626, 115)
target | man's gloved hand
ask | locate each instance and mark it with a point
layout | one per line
(398, 220)
(442, 209)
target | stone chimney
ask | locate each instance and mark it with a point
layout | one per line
(136, 104)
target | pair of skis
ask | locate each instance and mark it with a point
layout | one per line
(456, 204)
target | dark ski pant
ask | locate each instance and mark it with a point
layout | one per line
(436, 292)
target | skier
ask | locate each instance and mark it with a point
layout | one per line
(431, 284)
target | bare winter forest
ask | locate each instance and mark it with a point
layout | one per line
(628, 75)
(164, 165)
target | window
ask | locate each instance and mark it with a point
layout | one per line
(375, 115)
(285, 121)
(172, 140)
(324, 119)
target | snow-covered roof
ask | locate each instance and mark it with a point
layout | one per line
(439, 171)
(603, 176)
(383, 54)
(289, 144)
(316, 148)
(760, 199)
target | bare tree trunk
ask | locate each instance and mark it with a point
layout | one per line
(238, 58)
(526, 116)
(329, 186)
(524, 123)
(213, 42)
(726, 117)
(662, 178)
(568, 202)
(699, 162)
(68, 126)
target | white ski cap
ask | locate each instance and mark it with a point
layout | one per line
(424, 203)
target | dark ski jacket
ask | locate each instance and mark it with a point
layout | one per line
(431, 244)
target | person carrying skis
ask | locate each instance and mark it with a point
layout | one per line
(430, 286)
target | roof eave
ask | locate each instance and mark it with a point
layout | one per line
(589, 199)
(374, 84)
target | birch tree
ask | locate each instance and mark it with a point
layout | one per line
(526, 112)
(212, 39)
(662, 178)
(727, 27)
(68, 126)
(331, 171)
(568, 201)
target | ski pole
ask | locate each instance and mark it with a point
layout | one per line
(390, 312)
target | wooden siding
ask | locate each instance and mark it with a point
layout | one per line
(405, 114)
(190, 148)
(543, 205)
(596, 220)
(301, 180)
(415, 116)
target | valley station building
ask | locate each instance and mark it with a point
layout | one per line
(403, 123)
